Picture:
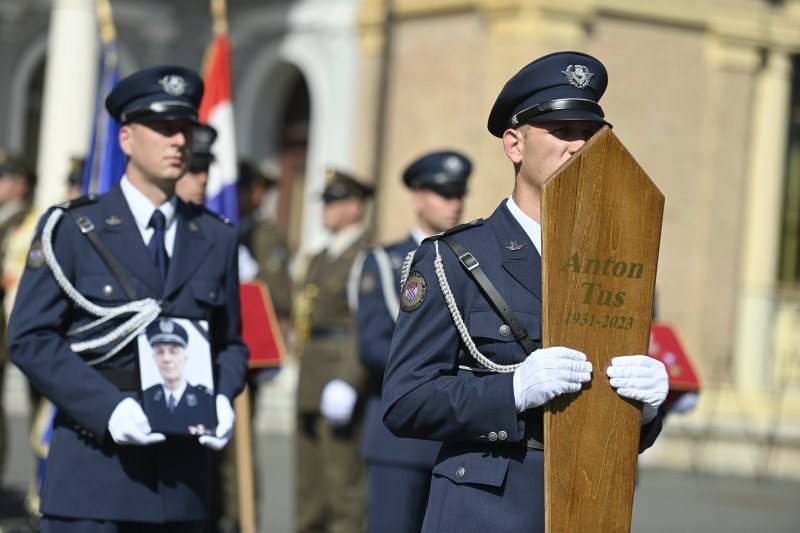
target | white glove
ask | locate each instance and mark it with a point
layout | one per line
(338, 400)
(225, 419)
(548, 373)
(248, 266)
(129, 425)
(641, 378)
(685, 403)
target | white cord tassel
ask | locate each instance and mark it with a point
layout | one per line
(459, 322)
(144, 311)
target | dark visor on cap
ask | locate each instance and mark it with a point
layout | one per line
(161, 109)
(579, 105)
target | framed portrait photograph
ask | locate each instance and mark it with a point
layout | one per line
(177, 377)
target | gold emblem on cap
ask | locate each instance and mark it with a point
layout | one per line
(578, 75)
(173, 84)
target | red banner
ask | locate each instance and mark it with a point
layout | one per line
(260, 329)
(667, 348)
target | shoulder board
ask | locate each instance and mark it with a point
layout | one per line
(78, 202)
(217, 216)
(456, 229)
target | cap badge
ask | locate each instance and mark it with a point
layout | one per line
(578, 75)
(452, 164)
(173, 84)
(166, 326)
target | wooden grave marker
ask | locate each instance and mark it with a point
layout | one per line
(601, 227)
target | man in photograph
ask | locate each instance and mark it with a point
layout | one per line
(175, 405)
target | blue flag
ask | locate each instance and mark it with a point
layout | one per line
(105, 162)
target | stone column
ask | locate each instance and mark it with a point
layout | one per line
(69, 92)
(753, 351)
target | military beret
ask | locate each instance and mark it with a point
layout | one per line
(165, 330)
(444, 172)
(157, 93)
(562, 86)
(341, 185)
(202, 139)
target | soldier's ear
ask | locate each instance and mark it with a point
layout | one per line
(125, 138)
(513, 140)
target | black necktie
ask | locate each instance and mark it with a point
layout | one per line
(158, 250)
(171, 404)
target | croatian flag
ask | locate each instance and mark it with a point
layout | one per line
(216, 109)
(105, 163)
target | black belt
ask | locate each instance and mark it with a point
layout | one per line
(331, 332)
(533, 444)
(534, 429)
(125, 379)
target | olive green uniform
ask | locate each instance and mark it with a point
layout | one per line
(330, 485)
(7, 225)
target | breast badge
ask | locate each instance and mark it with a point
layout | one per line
(368, 283)
(414, 292)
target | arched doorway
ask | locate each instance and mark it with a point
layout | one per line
(292, 150)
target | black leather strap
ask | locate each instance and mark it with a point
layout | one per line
(126, 379)
(87, 227)
(495, 298)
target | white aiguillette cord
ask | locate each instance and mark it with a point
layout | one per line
(144, 311)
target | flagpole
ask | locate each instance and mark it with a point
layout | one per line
(105, 162)
(108, 33)
(243, 431)
(219, 17)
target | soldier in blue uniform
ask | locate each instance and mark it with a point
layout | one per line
(175, 405)
(98, 272)
(456, 372)
(399, 470)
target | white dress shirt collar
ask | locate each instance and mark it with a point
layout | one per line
(531, 227)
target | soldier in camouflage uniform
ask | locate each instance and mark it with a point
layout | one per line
(330, 487)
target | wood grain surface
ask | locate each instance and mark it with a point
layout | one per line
(601, 226)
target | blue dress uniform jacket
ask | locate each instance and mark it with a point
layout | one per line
(195, 409)
(399, 469)
(88, 475)
(484, 474)
(375, 328)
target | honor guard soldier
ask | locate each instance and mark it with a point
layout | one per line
(191, 188)
(456, 372)
(330, 488)
(399, 470)
(16, 188)
(265, 241)
(99, 271)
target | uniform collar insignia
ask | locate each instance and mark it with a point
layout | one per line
(514, 246)
(113, 220)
